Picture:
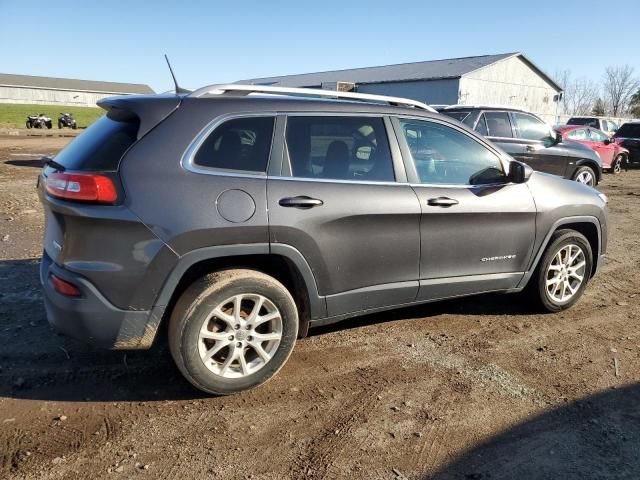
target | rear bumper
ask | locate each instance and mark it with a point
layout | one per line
(91, 318)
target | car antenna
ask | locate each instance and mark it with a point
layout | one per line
(179, 89)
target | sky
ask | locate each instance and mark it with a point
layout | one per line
(215, 42)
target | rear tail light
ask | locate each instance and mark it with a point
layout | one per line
(84, 187)
(63, 287)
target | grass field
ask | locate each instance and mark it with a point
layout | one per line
(13, 115)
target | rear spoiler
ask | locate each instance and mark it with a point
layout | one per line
(149, 109)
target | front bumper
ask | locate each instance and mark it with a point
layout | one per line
(91, 318)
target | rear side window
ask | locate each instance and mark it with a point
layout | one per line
(100, 147)
(498, 124)
(239, 144)
(339, 148)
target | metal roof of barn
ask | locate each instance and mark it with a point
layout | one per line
(430, 70)
(53, 83)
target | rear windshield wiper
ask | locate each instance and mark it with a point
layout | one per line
(50, 162)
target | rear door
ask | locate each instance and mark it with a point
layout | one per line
(336, 200)
(536, 135)
(477, 230)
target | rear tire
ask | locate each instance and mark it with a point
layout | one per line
(585, 175)
(232, 330)
(563, 272)
(617, 164)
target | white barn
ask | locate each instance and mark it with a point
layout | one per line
(504, 79)
(62, 91)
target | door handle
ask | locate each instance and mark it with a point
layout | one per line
(531, 148)
(442, 202)
(300, 202)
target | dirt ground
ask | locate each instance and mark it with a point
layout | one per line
(480, 388)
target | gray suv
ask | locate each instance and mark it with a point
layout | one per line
(243, 215)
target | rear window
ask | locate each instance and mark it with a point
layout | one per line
(239, 144)
(101, 146)
(629, 130)
(592, 122)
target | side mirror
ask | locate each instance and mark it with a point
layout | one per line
(519, 172)
(607, 141)
(552, 140)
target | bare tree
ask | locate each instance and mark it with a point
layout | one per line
(619, 86)
(579, 94)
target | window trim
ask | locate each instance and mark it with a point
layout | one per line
(187, 162)
(412, 174)
(394, 150)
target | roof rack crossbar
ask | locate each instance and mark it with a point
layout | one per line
(307, 92)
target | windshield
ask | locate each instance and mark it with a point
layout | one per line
(629, 130)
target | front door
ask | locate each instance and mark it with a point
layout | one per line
(338, 203)
(477, 229)
(597, 141)
(539, 152)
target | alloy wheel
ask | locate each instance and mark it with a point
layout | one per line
(585, 177)
(240, 336)
(565, 273)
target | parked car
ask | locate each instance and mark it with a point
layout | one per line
(607, 126)
(38, 121)
(67, 120)
(242, 220)
(613, 156)
(529, 139)
(628, 136)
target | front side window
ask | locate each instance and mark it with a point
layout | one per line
(498, 124)
(596, 135)
(579, 134)
(238, 144)
(530, 127)
(443, 155)
(339, 148)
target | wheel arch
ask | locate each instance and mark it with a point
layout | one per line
(587, 226)
(593, 165)
(282, 262)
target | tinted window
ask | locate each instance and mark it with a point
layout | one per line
(100, 147)
(591, 122)
(339, 148)
(239, 144)
(498, 124)
(464, 117)
(443, 155)
(530, 127)
(629, 130)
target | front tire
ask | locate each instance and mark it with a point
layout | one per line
(585, 175)
(232, 330)
(563, 272)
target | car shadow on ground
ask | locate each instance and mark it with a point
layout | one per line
(38, 363)
(594, 437)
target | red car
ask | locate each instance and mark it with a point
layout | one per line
(613, 155)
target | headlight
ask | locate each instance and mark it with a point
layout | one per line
(604, 198)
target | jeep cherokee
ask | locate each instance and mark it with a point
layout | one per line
(243, 215)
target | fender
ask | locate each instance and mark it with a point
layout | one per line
(592, 164)
(317, 304)
(545, 242)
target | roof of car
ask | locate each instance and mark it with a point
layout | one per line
(483, 107)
